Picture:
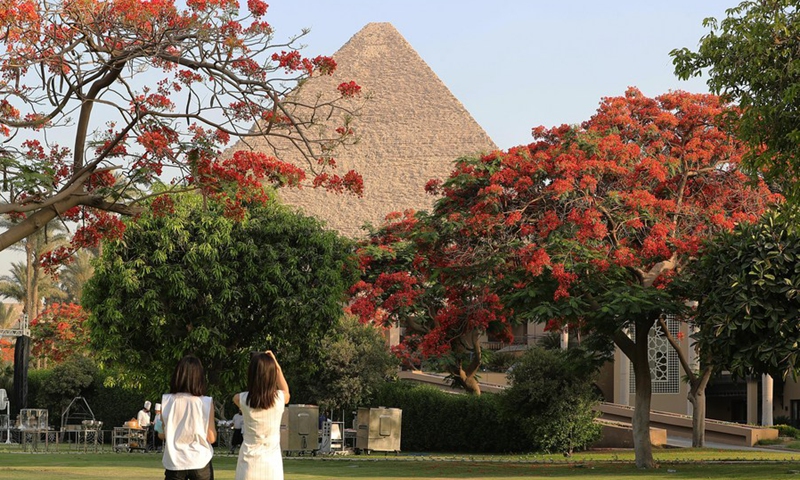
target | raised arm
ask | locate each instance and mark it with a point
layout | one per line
(282, 385)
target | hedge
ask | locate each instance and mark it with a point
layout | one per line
(436, 421)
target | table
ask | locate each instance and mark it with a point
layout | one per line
(34, 440)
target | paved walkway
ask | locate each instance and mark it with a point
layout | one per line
(683, 442)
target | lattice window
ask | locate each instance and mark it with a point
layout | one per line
(664, 364)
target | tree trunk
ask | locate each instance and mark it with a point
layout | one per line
(642, 447)
(471, 385)
(697, 387)
(636, 351)
(467, 377)
(698, 400)
(29, 299)
(697, 397)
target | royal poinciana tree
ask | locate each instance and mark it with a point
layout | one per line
(59, 333)
(402, 284)
(99, 98)
(589, 224)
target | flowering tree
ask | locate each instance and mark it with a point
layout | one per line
(408, 281)
(588, 225)
(145, 89)
(59, 332)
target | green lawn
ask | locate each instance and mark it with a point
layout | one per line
(675, 463)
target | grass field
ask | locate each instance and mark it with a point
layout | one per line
(674, 463)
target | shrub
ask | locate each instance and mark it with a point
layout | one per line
(53, 389)
(788, 431)
(437, 421)
(499, 361)
(770, 441)
(552, 395)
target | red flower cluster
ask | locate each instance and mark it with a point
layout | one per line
(349, 89)
(60, 332)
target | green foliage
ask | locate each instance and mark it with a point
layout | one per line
(53, 389)
(498, 361)
(770, 441)
(753, 57)
(749, 309)
(436, 421)
(67, 380)
(552, 395)
(197, 282)
(354, 364)
(788, 431)
(7, 376)
(114, 403)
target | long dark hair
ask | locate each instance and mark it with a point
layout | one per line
(262, 381)
(188, 377)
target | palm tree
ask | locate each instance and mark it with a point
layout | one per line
(15, 286)
(29, 276)
(6, 315)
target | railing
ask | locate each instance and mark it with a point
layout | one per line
(520, 341)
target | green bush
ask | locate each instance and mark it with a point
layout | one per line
(499, 361)
(436, 421)
(769, 441)
(552, 396)
(53, 389)
(788, 431)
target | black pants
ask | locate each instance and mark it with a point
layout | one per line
(237, 438)
(205, 473)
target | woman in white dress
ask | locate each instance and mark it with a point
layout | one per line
(262, 407)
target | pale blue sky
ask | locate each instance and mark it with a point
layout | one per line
(516, 64)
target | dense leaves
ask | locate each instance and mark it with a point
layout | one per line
(753, 57)
(145, 89)
(197, 282)
(552, 396)
(586, 226)
(749, 311)
(354, 362)
(437, 421)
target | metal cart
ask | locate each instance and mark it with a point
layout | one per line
(128, 439)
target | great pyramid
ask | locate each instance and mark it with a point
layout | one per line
(410, 129)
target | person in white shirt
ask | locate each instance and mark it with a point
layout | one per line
(187, 418)
(143, 417)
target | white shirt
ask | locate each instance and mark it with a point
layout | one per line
(185, 419)
(238, 421)
(143, 418)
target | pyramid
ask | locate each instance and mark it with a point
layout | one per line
(410, 130)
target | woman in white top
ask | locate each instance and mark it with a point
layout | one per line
(187, 417)
(262, 406)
